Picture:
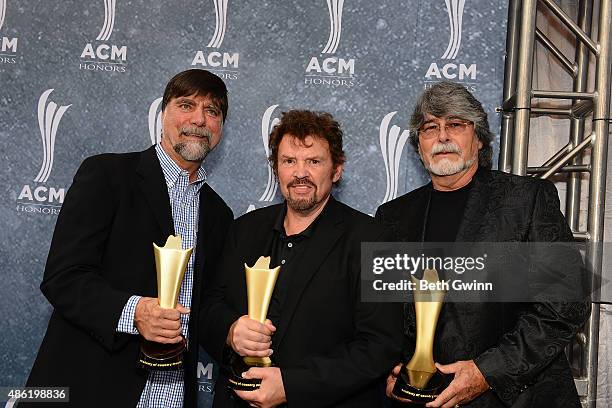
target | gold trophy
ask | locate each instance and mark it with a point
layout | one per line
(419, 380)
(171, 262)
(260, 281)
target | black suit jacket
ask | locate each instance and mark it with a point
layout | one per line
(100, 255)
(332, 349)
(517, 347)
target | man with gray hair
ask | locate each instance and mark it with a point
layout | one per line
(497, 354)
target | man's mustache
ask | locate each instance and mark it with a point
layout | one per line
(197, 131)
(301, 181)
(445, 148)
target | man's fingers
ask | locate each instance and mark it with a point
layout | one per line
(167, 340)
(168, 314)
(249, 337)
(258, 327)
(164, 324)
(157, 324)
(254, 349)
(254, 372)
(160, 335)
(255, 353)
(168, 334)
(448, 368)
(250, 396)
(444, 396)
(396, 370)
(452, 403)
(390, 384)
(182, 309)
(257, 337)
(245, 323)
(269, 324)
(246, 333)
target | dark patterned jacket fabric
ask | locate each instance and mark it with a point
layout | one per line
(517, 346)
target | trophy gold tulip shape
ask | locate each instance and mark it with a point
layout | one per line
(419, 380)
(260, 281)
(171, 262)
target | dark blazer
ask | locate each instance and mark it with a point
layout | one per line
(518, 347)
(100, 255)
(332, 349)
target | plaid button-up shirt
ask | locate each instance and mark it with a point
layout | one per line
(165, 389)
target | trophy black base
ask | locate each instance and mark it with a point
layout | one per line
(238, 366)
(419, 396)
(161, 357)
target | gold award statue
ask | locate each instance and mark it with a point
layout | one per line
(260, 281)
(419, 380)
(171, 262)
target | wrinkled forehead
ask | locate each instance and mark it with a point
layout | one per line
(206, 96)
(309, 141)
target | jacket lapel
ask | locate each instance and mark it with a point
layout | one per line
(329, 229)
(413, 221)
(206, 232)
(259, 244)
(206, 221)
(153, 185)
(475, 209)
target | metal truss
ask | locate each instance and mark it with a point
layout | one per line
(594, 105)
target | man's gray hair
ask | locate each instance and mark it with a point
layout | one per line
(451, 99)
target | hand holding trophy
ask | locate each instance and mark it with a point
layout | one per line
(260, 281)
(419, 381)
(171, 262)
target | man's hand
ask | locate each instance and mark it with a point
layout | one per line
(391, 379)
(250, 338)
(157, 324)
(271, 393)
(467, 384)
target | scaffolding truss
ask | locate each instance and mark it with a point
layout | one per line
(584, 105)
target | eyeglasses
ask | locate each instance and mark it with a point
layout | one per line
(453, 127)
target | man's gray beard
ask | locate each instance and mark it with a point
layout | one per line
(446, 167)
(193, 151)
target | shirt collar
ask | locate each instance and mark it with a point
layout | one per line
(172, 171)
(279, 224)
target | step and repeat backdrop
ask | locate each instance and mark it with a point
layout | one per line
(79, 78)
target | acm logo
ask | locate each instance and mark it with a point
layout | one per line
(40, 197)
(8, 45)
(450, 69)
(267, 124)
(100, 55)
(224, 64)
(392, 141)
(154, 120)
(327, 69)
(206, 377)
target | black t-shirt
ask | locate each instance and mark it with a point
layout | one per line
(445, 214)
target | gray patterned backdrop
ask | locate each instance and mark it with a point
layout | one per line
(79, 78)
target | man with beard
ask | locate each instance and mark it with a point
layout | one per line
(100, 275)
(497, 354)
(330, 349)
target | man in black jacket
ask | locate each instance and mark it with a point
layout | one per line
(330, 349)
(100, 275)
(500, 354)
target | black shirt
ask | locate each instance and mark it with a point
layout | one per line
(286, 251)
(446, 210)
